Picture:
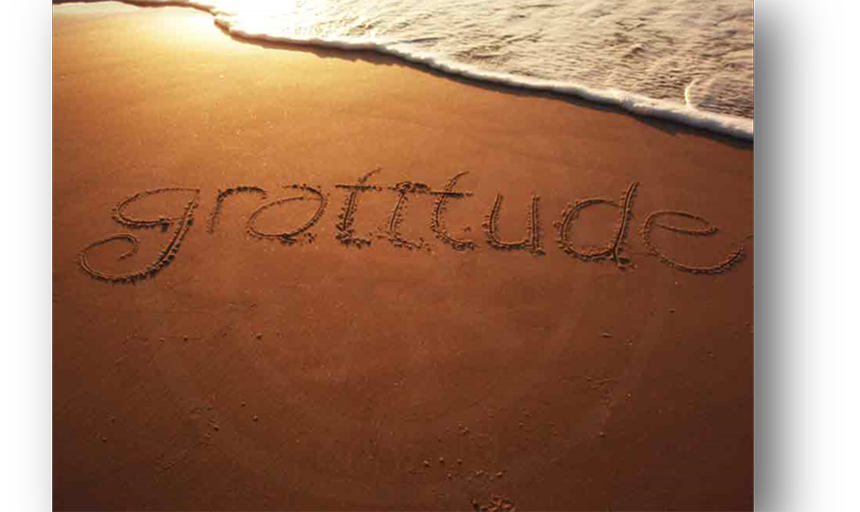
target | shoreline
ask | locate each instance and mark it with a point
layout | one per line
(719, 125)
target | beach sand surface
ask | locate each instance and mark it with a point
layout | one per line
(255, 374)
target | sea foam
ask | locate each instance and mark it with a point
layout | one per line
(689, 61)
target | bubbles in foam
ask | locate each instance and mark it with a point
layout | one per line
(689, 61)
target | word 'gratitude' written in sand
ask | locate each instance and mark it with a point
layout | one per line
(403, 192)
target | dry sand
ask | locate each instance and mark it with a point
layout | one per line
(254, 374)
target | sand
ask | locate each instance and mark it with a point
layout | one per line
(297, 332)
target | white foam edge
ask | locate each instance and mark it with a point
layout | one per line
(733, 126)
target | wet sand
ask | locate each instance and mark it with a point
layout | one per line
(455, 357)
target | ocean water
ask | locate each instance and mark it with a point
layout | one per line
(686, 60)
